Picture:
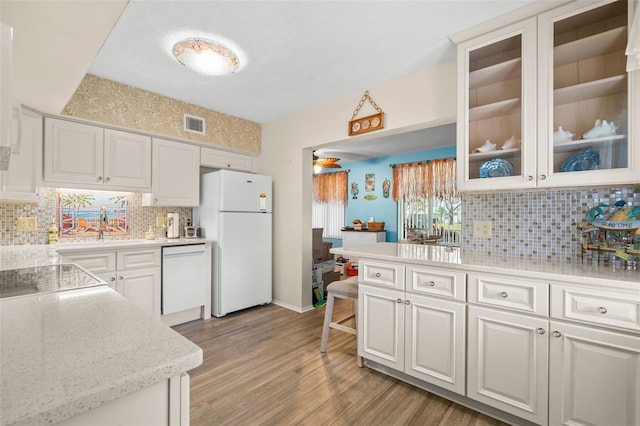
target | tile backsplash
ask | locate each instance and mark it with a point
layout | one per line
(536, 224)
(45, 211)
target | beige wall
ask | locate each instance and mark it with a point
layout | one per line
(420, 100)
(106, 101)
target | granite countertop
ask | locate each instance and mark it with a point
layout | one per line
(455, 258)
(65, 353)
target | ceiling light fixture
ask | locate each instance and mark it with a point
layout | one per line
(206, 56)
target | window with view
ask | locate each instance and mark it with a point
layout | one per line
(429, 205)
(329, 203)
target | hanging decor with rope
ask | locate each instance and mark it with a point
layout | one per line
(370, 123)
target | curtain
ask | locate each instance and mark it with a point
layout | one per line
(427, 179)
(330, 188)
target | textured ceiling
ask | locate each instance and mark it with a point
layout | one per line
(298, 54)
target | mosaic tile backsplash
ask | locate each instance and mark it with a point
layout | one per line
(537, 224)
(45, 211)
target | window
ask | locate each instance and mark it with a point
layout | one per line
(421, 218)
(429, 205)
(329, 203)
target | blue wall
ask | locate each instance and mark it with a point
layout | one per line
(381, 209)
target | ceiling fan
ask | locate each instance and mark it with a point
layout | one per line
(325, 163)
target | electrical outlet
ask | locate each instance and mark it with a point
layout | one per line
(481, 229)
(27, 224)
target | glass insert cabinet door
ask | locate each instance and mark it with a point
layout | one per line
(587, 124)
(497, 109)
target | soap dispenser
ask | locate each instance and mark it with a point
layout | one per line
(53, 233)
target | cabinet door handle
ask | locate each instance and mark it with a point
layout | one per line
(407, 302)
(504, 294)
(107, 179)
(378, 275)
(529, 177)
(99, 179)
(121, 277)
(432, 283)
(556, 334)
(399, 300)
(543, 177)
(155, 201)
(112, 279)
(602, 310)
(540, 330)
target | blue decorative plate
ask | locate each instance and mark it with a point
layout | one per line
(587, 159)
(496, 167)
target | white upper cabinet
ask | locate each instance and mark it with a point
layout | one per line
(20, 182)
(496, 109)
(219, 159)
(86, 156)
(175, 175)
(553, 95)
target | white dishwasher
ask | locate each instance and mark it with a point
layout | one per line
(183, 277)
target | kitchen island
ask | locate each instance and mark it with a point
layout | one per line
(527, 341)
(87, 356)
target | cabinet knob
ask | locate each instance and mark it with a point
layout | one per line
(602, 310)
(556, 334)
(399, 300)
(107, 179)
(540, 330)
(543, 177)
(99, 179)
(378, 275)
(112, 279)
(529, 177)
(504, 294)
(229, 165)
(432, 283)
(155, 201)
(121, 277)
(407, 302)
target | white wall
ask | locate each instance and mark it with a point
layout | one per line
(420, 100)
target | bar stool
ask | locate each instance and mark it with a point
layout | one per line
(345, 289)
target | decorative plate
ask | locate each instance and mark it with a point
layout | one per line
(496, 167)
(587, 159)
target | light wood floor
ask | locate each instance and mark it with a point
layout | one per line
(263, 366)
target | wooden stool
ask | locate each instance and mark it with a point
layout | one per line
(345, 289)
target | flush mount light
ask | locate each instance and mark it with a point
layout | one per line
(206, 56)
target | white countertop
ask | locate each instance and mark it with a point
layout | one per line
(455, 258)
(27, 256)
(68, 352)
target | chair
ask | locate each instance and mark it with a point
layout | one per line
(345, 289)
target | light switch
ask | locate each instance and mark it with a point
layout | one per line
(27, 224)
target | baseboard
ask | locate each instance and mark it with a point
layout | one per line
(183, 316)
(293, 308)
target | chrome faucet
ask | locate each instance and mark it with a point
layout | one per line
(104, 221)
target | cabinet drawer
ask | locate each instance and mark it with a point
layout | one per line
(97, 263)
(510, 293)
(382, 274)
(436, 282)
(607, 308)
(138, 259)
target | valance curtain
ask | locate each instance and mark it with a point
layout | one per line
(427, 179)
(330, 188)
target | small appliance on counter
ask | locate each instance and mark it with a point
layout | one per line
(190, 232)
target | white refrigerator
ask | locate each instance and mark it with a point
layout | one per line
(235, 213)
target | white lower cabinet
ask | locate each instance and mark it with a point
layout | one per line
(508, 362)
(594, 376)
(420, 336)
(163, 403)
(136, 274)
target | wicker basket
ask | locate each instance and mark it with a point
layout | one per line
(375, 226)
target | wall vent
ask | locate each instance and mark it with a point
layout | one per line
(194, 124)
